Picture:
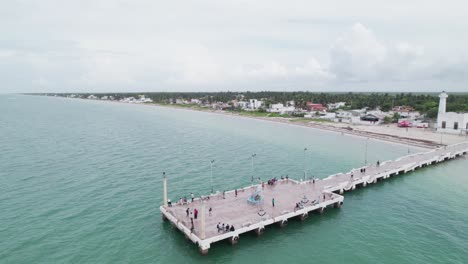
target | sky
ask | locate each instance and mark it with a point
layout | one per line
(224, 45)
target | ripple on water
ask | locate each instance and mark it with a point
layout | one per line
(81, 182)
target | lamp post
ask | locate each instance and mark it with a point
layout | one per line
(211, 178)
(407, 139)
(252, 178)
(305, 171)
(164, 190)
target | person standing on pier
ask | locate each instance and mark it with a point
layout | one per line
(211, 209)
(187, 211)
(236, 192)
(195, 213)
(193, 196)
(273, 202)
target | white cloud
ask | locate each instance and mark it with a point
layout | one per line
(357, 54)
(314, 70)
(7, 53)
(154, 45)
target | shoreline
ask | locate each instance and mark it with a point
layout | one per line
(353, 130)
(420, 143)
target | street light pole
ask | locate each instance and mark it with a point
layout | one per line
(305, 171)
(253, 156)
(407, 139)
(211, 178)
(165, 203)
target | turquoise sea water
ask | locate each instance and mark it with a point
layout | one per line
(80, 182)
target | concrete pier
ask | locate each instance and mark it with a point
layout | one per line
(312, 196)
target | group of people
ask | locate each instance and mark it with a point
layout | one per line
(224, 227)
(272, 181)
(193, 213)
(184, 200)
(363, 170)
(298, 206)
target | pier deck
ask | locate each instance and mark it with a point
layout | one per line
(312, 195)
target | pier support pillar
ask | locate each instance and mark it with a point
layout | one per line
(164, 218)
(364, 184)
(165, 189)
(338, 204)
(353, 188)
(259, 231)
(341, 191)
(203, 250)
(321, 210)
(283, 223)
(303, 216)
(234, 240)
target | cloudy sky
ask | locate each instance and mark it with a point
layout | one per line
(220, 45)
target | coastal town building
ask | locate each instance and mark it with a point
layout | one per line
(242, 104)
(406, 112)
(254, 104)
(220, 106)
(141, 99)
(336, 105)
(315, 107)
(281, 109)
(450, 122)
(327, 116)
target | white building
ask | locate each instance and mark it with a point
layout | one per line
(336, 105)
(254, 104)
(327, 116)
(280, 108)
(450, 122)
(242, 104)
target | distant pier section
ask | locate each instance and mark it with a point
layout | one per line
(255, 207)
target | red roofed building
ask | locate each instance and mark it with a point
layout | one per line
(315, 107)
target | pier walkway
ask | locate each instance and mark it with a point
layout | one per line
(292, 199)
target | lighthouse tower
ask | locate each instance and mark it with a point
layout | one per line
(442, 103)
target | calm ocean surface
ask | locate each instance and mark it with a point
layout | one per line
(80, 182)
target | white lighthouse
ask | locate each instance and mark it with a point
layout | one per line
(450, 122)
(442, 102)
